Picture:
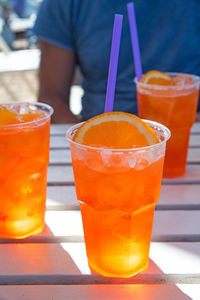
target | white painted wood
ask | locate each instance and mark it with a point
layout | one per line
(194, 154)
(170, 194)
(35, 259)
(58, 141)
(162, 256)
(192, 175)
(61, 156)
(64, 175)
(61, 195)
(63, 223)
(184, 257)
(176, 222)
(196, 127)
(168, 261)
(64, 259)
(179, 194)
(98, 292)
(59, 174)
(194, 140)
(60, 128)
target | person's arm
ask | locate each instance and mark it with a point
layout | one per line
(55, 77)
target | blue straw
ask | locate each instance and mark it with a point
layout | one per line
(112, 73)
(134, 40)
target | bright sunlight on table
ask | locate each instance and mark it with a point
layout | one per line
(53, 265)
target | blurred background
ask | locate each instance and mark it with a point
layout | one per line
(20, 55)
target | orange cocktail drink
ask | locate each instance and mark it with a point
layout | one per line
(175, 106)
(117, 190)
(24, 157)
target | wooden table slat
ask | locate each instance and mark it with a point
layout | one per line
(63, 175)
(170, 195)
(58, 254)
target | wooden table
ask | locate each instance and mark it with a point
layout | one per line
(53, 265)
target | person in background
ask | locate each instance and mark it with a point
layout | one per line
(79, 32)
(7, 33)
(27, 9)
(18, 7)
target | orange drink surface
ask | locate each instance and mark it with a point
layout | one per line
(117, 190)
(174, 104)
(24, 157)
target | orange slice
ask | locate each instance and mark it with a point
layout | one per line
(7, 117)
(116, 130)
(156, 77)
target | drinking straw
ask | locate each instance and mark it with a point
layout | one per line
(114, 55)
(134, 40)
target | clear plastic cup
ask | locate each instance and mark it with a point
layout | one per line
(117, 191)
(175, 107)
(24, 158)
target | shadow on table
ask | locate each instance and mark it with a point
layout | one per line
(36, 258)
(30, 258)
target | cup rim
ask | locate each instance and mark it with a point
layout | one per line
(149, 122)
(196, 79)
(40, 105)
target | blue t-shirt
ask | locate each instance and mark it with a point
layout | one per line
(169, 36)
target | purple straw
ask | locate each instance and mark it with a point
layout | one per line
(134, 40)
(114, 55)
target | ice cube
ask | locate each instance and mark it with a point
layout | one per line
(106, 156)
(182, 79)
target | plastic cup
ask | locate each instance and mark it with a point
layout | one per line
(24, 157)
(117, 191)
(175, 107)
